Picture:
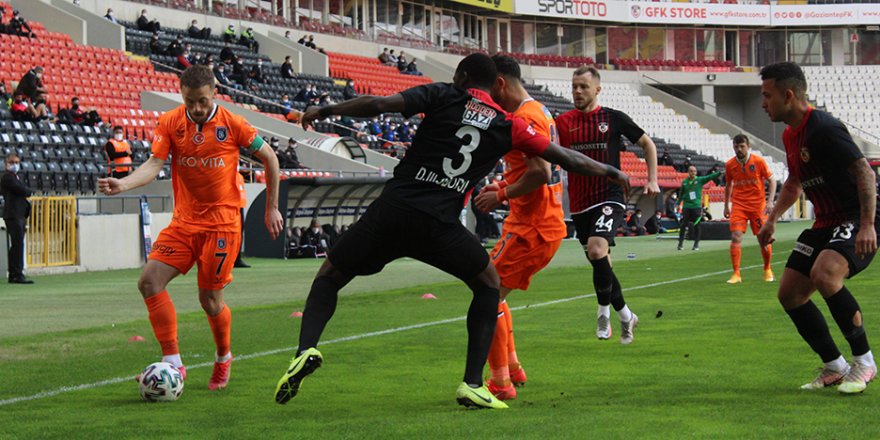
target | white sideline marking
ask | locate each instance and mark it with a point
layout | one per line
(116, 380)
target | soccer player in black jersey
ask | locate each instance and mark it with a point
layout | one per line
(825, 164)
(597, 205)
(462, 136)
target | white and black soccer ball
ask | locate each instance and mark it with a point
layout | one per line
(161, 382)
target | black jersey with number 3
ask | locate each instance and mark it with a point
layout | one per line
(596, 134)
(461, 138)
(819, 152)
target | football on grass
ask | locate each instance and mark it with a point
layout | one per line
(160, 382)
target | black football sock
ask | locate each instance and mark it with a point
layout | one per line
(617, 300)
(481, 320)
(845, 310)
(602, 280)
(320, 306)
(812, 327)
(681, 231)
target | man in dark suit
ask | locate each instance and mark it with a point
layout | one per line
(15, 213)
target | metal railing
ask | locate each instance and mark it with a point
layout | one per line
(51, 240)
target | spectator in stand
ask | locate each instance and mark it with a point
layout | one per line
(239, 73)
(5, 97)
(19, 26)
(209, 60)
(672, 207)
(634, 224)
(288, 35)
(390, 134)
(308, 94)
(287, 67)
(686, 164)
(16, 210)
(229, 34)
(110, 16)
(257, 73)
(287, 156)
(349, 92)
(156, 45)
(311, 43)
(195, 58)
(226, 54)
(247, 39)
(412, 69)
(223, 79)
(653, 225)
(74, 115)
(404, 133)
(286, 103)
(175, 47)
(719, 181)
(183, 60)
(3, 29)
(314, 241)
(374, 127)
(384, 57)
(145, 24)
(118, 152)
(324, 99)
(392, 58)
(21, 109)
(31, 84)
(194, 31)
(401, 62)
(666, 159)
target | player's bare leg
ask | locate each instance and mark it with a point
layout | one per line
(827, 274)
(795, 291)
(154, 278)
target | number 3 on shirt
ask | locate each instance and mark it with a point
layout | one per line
(465, 151)
(602, 225)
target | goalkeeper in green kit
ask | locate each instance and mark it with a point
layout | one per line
(691, 196)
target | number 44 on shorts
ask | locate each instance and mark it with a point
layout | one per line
(604, 226)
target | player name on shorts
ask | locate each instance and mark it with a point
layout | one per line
(478, 115)
(590, 146)
(204, 162)
(816, 181)
(454, 183)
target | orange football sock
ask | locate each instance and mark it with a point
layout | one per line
(735, 255)
(512, 360)
(163, 318)
(498, 351)
(767, 253)
(221, 326)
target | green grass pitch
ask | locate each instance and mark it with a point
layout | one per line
(721, 362)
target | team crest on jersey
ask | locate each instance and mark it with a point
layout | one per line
(603, 127)
(805, 154)
(607, 210)
(221, 243)
(199, 138)
(752, 167)
(221, 133)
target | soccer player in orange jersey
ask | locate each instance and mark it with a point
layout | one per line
(203, 141)
(746, 174)
(534, 229)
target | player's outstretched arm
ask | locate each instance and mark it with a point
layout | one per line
(141, 176)
(362, 106)
(652, 187)
(579, 163)
(866, 182)
(791, 191)
(274, 220)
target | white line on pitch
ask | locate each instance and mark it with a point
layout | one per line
(116, 380)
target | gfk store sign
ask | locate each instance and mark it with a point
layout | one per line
(701, 13)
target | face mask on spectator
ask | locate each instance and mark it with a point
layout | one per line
(75, 105)
(13, 167)
(275, 144)
(316, 230)
(117, 136)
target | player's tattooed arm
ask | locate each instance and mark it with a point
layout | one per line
(866, 182)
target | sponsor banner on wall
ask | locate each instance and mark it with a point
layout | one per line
(495, 5)
(702, 13)
(698, 13)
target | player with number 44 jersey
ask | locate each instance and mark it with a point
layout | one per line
(598, 206)
(202, 140)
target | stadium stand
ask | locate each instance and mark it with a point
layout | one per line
(371, 76)
(851, 93)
